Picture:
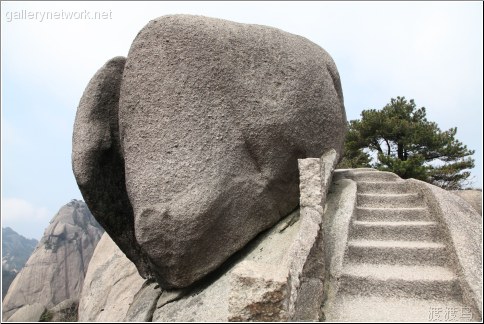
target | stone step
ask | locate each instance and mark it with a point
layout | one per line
(395, 230)
(392, 214)
(390, 200)
(384, 187)
(397, 252)
(425, 282)
(350, 308)
(374, 176)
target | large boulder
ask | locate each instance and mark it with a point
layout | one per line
(276, 277)
(200, 153)
(55, 270)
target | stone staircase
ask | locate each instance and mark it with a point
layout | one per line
(398, 264)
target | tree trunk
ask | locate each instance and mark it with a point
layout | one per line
(400, 152)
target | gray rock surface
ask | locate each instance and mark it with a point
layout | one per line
(473, 197)
(464, 228)
(272, 278)
(307, 266)
(65, 311)
(113, 290)
(144, 303)
(98, 163)
(16, 250)
(110, 284)
(55, 271)
(28, 313)
(253, 287)
(400, 251)
(213, 116)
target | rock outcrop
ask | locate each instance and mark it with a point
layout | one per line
(16, 250)
(28, 313)
(400, 251)
(385, 249)
(277, 277)
(473, 197)
(55, 271)
(65, 311)
(110, 284)
(188, 149)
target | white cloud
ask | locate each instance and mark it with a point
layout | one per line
(24, 217)
(19, 209)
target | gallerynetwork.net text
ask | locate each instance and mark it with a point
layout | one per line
(57, 15)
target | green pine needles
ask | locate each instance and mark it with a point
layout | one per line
(400, 139)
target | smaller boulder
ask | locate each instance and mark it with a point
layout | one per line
(28, 313)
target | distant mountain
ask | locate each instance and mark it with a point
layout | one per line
(55, 271)
(16, 251)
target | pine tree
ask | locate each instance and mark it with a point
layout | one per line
(403, 141)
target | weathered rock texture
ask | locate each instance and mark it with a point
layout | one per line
(98, 163)
(28, 313)
(199, 154)
(276, 277)
(110, 284)
(464, 228)
(473, 197)
(55, 271)
(65, 311)
(144, 303)
(400, 251)
(16, 250)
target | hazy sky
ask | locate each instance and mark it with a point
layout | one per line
(431, 52)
